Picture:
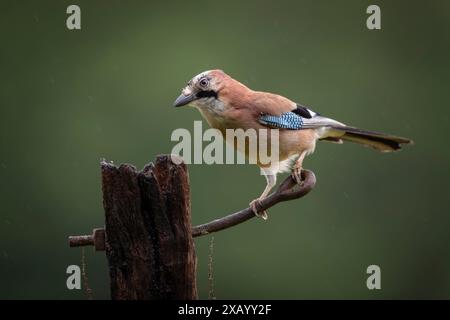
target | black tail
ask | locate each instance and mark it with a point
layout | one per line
(380, 141)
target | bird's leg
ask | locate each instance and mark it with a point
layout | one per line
(271, 181)
(297, 168)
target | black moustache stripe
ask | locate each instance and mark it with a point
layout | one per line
(207, 94)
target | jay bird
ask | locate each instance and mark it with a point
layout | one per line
(226, 103)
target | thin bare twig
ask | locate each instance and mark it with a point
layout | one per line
(288, 190)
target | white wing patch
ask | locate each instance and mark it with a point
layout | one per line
(317, 121)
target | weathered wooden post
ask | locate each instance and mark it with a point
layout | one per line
(148, 236)
(148, 242)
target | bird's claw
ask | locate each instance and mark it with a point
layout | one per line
(297, 175)
(253, 206)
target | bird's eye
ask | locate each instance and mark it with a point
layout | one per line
(203, 82)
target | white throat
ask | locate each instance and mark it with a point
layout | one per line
(210, 105)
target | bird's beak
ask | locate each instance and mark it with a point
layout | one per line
(183, 99)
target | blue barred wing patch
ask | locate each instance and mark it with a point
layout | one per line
(287, 120)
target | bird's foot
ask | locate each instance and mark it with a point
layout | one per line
(297, 174)
(253, 206)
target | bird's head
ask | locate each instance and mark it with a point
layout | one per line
(202, 89)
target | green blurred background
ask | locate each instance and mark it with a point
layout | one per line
(70, 98)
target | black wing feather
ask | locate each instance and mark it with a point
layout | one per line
(302, 112)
